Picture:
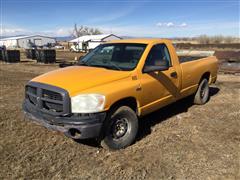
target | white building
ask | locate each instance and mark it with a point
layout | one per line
(25, 41)
(92, 41)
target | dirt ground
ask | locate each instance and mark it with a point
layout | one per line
(181, 141)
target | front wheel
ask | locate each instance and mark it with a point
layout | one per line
(202, 94)
(120, 128)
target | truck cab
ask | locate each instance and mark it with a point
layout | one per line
(104, 95)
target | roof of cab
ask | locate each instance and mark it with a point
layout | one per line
(140, 41)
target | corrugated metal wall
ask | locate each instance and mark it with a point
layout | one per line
(37, 40)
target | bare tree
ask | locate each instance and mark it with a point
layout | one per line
(84, 30)
(203, 39)
(217, 39)
(229, 39)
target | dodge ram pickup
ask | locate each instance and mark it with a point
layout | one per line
(105, 93)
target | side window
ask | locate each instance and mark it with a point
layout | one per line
(157, 54)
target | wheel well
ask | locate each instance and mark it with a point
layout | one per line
(206, 75)
(129, 101)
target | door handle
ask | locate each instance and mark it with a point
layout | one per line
(174, 74)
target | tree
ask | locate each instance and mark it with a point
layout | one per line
(203, 39)
(84, 30)
(229, 39)
(217, 39)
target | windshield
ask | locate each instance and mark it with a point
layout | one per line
(117, 56)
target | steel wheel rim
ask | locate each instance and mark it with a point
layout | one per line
(119, 128)
(203, 90)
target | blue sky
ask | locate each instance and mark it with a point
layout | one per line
(148, 18)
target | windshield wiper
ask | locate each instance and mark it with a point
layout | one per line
(102, 66)
(114, 66)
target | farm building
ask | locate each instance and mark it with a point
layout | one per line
(26, 41)
(92, 41)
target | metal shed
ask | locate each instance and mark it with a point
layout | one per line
(93, 41)
(25, 41)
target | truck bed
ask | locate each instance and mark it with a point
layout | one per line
(191, 55)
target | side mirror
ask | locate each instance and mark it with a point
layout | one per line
(160, 66)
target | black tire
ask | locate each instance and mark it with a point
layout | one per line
(202, 94)
(120, 128)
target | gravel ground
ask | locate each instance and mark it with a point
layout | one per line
(181, 141)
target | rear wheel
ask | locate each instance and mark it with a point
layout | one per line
(120, 128)
(202, 94)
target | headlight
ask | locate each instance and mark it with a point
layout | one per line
(87, 103)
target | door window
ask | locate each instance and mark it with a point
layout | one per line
(157, 54)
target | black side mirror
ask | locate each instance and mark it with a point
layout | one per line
(159, 66)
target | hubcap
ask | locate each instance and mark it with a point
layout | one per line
(119, 128)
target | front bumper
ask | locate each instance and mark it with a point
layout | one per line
(76, 126)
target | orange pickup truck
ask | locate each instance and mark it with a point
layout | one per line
(105, 93)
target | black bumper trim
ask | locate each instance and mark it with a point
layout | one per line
(89, 125)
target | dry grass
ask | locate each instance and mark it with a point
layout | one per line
(205, 39)
(182, 141)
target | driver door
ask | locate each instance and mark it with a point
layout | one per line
(159, 88)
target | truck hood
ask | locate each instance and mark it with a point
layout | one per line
(75, 79)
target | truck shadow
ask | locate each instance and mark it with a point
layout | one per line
(147, 122)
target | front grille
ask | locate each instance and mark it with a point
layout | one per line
(32, 99)
(31, 89)
(51, 95)
(48, 98)
(31, 94)
(52, 106)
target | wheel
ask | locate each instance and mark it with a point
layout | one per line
(202, 94)
(120, 128)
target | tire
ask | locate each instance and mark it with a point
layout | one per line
(202, 94)
(120, 128)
